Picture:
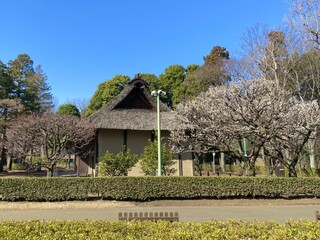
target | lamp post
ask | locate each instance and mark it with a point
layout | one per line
(245, 147)
(158, 94)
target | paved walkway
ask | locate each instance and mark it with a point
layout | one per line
(190, 213)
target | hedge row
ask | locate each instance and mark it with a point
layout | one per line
(78, 230)
(148, 188)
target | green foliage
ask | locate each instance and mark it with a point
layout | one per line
(171, 82)
(200, 78)
(86, 229)
(149, 159)
(216, 55)
(117, 164)
(17, 166)
(148, 188)
(151, 79)
(68, 109)
(106, 92)
(23, 89)
(31, 86)
(191, 68)
(309, 172)
(6, 83)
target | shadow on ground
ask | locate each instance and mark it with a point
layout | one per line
(34, 173)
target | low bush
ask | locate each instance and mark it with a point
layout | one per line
(116, 164)
(158, 230)
(148, 188)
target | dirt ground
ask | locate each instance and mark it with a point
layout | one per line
(159, 203)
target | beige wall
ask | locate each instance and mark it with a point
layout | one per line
(187, 168)
(187, 165)
(111, 140)
(137, 140)
(136, 171)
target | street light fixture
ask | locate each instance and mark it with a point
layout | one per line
(157, 94)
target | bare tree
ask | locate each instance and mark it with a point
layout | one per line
(50, 137)
(279, 55)
(269, 54)
(304, 18)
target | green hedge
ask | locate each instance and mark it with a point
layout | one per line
(78, 230)
(148, 188)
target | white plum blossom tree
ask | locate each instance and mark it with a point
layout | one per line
(259, 111)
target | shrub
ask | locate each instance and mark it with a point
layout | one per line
(149, 159)
(149, 188)
(116, 165)
(86, 229)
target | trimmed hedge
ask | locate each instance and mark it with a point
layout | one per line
(148, 188)
(79, 230)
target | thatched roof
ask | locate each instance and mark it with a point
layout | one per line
(133, 109)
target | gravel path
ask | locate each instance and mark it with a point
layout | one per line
(102, 204)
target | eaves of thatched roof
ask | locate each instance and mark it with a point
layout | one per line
(133, 109)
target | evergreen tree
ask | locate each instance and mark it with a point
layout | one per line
(68, 109)
(31, 86)
(23, 89)
(106, 92)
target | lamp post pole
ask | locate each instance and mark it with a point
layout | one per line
(159, 135)
(245, 147)
(157, 95)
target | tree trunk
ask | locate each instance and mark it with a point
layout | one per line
(252, 166)
(222, 163)
(272, 166)
(292, 170)
(9, 162)
(50, 170)
(3, 157)
(240, 168)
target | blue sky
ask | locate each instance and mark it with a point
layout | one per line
(81, 43)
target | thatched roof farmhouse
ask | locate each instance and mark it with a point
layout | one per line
(133, 109)
(129, 120)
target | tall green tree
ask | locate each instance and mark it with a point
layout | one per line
(151, 79)
(23, 89)
(216, 55)
(212, 73)
(106, 92)
(6, 89)
(7, 85)
(9, 107)
(170, 82)
(68, 109)
(31, 86)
